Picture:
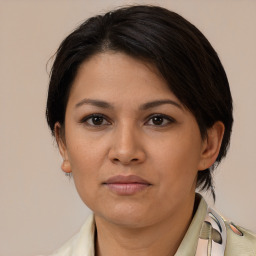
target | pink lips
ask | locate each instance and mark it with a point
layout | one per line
(126, 185)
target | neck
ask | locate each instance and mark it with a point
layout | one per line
(162, 238)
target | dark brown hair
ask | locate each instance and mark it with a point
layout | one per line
(181, 53)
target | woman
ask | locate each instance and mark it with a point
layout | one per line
(141, 109)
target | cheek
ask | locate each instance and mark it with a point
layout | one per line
(84, 151)
(85, 173)
(87, 157)
(177, 161)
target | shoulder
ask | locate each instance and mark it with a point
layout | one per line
(67, 248)
(240, 241)
(82, 244)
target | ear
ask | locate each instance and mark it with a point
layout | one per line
(59, 135)
(211, 145)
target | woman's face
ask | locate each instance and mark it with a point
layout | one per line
(133, 149)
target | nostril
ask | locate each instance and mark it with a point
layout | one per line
(125, 161)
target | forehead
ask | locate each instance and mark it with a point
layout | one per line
(117, 76)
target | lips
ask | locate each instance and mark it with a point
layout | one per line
(126, 185)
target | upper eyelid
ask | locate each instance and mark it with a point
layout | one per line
(84, 119)
(87, 117)
(161, 115)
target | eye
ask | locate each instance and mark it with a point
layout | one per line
(95, 120)
(160, 120)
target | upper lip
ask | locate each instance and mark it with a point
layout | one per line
(122, 179)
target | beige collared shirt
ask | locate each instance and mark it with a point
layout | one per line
(82, 244)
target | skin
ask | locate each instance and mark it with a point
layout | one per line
(167, 151)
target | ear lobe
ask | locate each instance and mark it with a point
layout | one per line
(65, 166)
(211, 145)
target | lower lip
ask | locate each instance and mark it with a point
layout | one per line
(127, 188)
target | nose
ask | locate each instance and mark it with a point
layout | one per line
(126, 147)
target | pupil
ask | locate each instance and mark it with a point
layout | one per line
(157, 120)
(97, 120)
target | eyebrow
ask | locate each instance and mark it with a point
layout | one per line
(157, 103)
(145, 106)
(97, 103)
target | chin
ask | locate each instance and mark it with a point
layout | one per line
(125, 215)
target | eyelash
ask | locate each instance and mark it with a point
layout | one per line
(85, 120)
(169, 119)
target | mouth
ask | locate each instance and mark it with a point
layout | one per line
(126, 185)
